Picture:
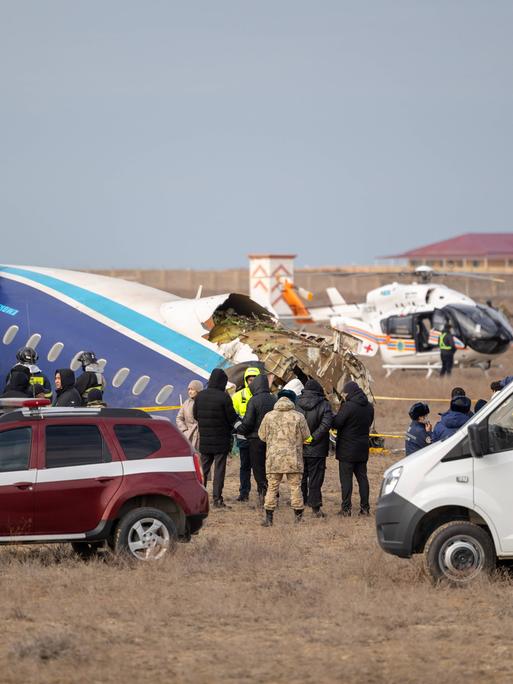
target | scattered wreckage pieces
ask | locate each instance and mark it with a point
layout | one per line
(287, 353)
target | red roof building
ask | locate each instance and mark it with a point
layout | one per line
(471, 251)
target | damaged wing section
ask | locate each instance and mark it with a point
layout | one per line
(287, 353)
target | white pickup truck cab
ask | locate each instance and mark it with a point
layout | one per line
(453, 500)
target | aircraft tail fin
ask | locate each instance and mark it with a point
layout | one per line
(335, 297)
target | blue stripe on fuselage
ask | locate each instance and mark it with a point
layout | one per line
(175, 342)
(58, 321)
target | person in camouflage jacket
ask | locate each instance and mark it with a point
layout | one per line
(284, 430)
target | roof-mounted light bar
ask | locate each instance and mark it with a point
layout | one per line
(20, 402)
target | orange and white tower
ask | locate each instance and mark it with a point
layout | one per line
(266, 275)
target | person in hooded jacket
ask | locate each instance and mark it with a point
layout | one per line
(259, 405)
(353, 423)
(452, 420)
(213, 410)
(66, 393)
(185, 420)
(18, 387)
(319, 417)
(240, 403)
(284, 430)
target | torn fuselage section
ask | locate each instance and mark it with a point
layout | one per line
(287, 354)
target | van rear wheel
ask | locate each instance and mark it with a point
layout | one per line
(458, 552)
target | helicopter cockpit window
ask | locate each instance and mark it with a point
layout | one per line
(498, 317)
(473, 321)
(400, 326)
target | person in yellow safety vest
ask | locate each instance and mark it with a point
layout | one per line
(240, 403)
(39, 384)
(447, 348)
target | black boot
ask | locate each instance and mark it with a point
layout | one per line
(364, 511)
(298, 513)
(345, 512)
(318, 512)
(219, 503)
(268, 521)
(261, 499)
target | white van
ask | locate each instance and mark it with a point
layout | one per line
(453, 500)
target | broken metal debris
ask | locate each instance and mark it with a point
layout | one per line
(288, 353)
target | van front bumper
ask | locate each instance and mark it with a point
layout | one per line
(396, 522)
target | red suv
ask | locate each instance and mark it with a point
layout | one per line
(97, 477)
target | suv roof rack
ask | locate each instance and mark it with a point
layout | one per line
(25, 413)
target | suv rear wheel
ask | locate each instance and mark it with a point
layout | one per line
(145, 534)
(459, 552)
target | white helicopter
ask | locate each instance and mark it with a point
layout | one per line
(404, 321)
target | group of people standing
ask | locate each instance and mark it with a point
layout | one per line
(25, 380)
(283, 434)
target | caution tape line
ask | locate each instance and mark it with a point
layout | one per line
(159, 408)
(375, 434)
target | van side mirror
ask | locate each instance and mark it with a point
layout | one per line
(478, 439)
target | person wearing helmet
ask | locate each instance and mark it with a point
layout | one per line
(39, 384)
(419, 434)
(240, 403)
(91, 376)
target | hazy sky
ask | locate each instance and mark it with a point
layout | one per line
(187, 134)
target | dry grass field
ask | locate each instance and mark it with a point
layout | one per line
(318, 602)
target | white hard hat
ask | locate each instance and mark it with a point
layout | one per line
(295, 385)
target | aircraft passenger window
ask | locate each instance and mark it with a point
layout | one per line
(33, 340)
(140, 385)
(164, 394)
(120, 377)
(500, 428)
(75, 363)
(55, 352)
(10, 334)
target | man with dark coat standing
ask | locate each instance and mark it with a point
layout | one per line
(319, 416)
(213, 410)
(353, 423)
(260, 403)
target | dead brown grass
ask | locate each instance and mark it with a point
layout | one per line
(318, 602)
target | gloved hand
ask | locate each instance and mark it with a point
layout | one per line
(308, 440)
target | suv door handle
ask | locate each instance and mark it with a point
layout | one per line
(23, 485)
(103, 479)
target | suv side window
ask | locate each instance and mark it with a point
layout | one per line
(500, 427)
(137, 441)
(15, 449)
(74, 445)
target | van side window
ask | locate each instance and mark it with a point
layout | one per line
(75, 445)
(137, 441)
(15, 449)
(500, 428)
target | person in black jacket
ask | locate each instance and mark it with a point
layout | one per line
(353, 423)
(319, 416)
(91, 378)
(213, 410)
(260, 403)
(18, 386)
(65, 392)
